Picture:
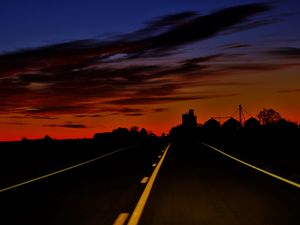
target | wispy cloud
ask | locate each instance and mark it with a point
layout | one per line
(160, 110)
(14, 123)
(159, 100)
(134, 114)
(33, 117)
(67, 125)
(235, 45)
(289, 90)
(92, 78)
(290, 52)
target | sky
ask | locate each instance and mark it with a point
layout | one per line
(70, 69)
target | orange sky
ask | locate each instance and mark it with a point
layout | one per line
(261, 93)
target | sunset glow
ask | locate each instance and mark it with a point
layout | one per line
(190, 55)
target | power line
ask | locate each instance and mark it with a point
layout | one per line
(241, 110)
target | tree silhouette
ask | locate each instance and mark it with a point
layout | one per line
(134, 129)
(269, 117)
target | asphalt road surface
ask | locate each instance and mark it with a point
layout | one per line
(195, 185)
(95, 193)
(198, 186)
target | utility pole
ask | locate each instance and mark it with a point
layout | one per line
(240, 114)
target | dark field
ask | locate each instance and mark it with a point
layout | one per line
(28, 159)
(195, 185)
(276, 150)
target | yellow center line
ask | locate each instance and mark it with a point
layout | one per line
(144, 180)
(63, 170)
(256, 168)
(121, 219)
(136, 215)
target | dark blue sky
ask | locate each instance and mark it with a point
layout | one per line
(33, 23)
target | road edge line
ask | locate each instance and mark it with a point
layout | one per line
(254, 167)
(63, 170)
(137, 213)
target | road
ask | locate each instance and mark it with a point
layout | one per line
(94, 193)
(198, 186)
(194, 185)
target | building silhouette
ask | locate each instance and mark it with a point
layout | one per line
(189, 120)
(284, 124)
(252, 123)
(212, 124)
(232, 124)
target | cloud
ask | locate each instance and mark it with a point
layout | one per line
(50, 109)
(134, 114)
(255, 66)
(14, 123)
(159, 100)
(160, 110)
(203, 27)
(93, 78)
(290, 52)
(43, 117)
(289, 91)
(112, 111)
(157, 37)
(253, 24)
(235, 45)
(34, 117)
(67, 125)
(121, 111)
(202, 59)
(90, 116)
(161, 24)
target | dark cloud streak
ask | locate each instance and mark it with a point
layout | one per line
(67, 125)
(289, 91)
(289, 52)
(166, 99)
(86, 77)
